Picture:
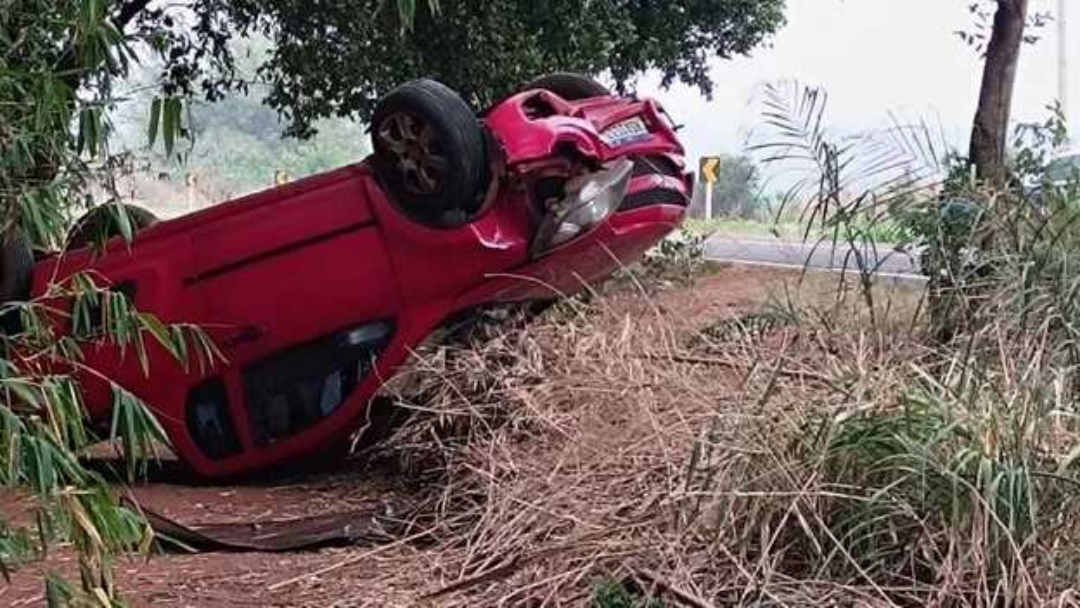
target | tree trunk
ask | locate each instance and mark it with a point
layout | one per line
(990, 132)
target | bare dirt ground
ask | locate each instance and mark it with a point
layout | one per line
(563, 479)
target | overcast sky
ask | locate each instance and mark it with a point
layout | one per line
(872, 56)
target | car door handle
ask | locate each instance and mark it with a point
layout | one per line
(248, 333)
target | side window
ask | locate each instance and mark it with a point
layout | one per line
(291, 391)
(209, 422)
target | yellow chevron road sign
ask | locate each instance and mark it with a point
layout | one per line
(710, 174)
(710, 169)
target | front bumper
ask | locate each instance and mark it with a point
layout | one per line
(619, 241)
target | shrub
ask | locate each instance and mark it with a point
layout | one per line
(948, 471)
(679, 258)
(611, 594)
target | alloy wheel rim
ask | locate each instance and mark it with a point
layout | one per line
(415, 152)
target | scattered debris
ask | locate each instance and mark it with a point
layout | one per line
(337, 529)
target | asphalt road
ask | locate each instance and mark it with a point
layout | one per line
(766, 251)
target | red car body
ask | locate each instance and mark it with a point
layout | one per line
(329, 266)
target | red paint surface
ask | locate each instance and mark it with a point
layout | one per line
(330, 252)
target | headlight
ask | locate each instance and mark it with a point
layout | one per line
(589, 200)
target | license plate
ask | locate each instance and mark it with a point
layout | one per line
(625, 132)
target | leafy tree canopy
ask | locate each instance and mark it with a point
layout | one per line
(236, 144)
(335, 58)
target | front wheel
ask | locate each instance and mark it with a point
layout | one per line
(430, 153)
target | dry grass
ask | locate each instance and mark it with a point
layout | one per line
(620, 442)
(611, 442)
(723, 445)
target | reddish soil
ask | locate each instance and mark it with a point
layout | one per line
(390, 576)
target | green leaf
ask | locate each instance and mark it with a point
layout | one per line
(160, 333)
(136, 429)
(123, 222)
(170, 123)
(24, 391)
(58, 593)
(155, 120)
(406, 13)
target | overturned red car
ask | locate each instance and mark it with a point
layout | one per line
(317, 291)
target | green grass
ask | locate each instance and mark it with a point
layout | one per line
(612, 594)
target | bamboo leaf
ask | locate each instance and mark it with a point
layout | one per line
(155, 121)
(406, 13)
(170, 123)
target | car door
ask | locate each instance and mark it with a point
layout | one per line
(297, 290)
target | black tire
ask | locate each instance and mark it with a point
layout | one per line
(100, 224)
(430, 153)
(16, 266)
(569, 85)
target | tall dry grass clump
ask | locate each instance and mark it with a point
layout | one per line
(626, 449)
(945, 472)
(842, 443)
(839, 442)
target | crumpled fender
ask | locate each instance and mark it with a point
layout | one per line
(525, 139)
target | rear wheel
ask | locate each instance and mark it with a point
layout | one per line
(103, 223)
(16, 266)
(16, 276)
(569, 85)
(430, 153)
